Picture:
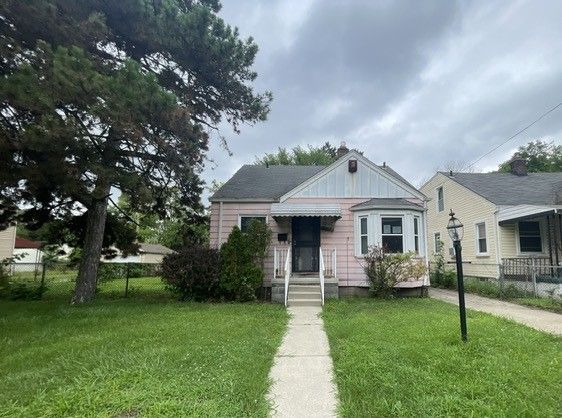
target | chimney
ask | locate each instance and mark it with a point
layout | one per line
(342, 150)
(518, 165)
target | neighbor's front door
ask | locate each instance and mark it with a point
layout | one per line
(306, 244)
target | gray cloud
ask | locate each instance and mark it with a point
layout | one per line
(415, 84)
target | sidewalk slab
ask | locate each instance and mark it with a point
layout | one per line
(535, 318)
(302, 373)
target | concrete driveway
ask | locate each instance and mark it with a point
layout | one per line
(535, 318)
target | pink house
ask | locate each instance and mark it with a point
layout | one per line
(323, 218)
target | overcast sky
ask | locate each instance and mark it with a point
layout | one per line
(412, 83)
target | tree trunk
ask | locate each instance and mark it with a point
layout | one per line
(85, 290)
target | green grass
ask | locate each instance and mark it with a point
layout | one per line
(136, 357)
(549, 304)
(404, 357)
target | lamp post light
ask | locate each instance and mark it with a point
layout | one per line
(455, 229)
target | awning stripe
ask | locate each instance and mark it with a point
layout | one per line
(305, 209)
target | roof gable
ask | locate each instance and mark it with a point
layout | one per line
(369, 181)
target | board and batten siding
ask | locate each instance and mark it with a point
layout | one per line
(7, 242)
(366, 183)
(471, 209)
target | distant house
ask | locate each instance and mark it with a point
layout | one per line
(147, 253)
(7, 242)
(324, 219)
(510, 219)
(29, 251)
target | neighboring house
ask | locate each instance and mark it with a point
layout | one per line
(147, 253)
(7, 242)
(323, 216)
(510, 219)
(29, 251)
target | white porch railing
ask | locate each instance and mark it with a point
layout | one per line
(329, 257)
(287, 273)
(280, 256)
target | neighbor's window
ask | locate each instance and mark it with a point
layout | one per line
(437, 244)
(530, 237)
(245, 221)
(392, 236)
(416, 235)
(482, 245)
(440, 201)
(363, 233)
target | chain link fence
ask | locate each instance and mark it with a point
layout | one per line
(56, 280)
(532, 280)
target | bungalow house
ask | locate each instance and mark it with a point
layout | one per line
(324, 219)
(7, 241)
(512, 220)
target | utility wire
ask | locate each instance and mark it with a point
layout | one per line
(516, 134)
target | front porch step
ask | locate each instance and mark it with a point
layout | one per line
(304, 281)
(304, 295)
(299, 288)
(305, 302)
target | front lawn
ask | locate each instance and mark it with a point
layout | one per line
(135, 357)
(404, 357)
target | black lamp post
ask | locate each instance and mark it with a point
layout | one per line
(456, 230)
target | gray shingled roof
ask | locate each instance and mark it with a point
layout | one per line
(270, 183)
(154, 248)
(509, 189)
(267, 183)
(395, 203)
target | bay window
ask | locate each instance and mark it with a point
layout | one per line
(416, 235)
(364, 235)
(392, 235)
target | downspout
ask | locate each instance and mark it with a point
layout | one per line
(498, 241)
(219, 241)
(549, 235)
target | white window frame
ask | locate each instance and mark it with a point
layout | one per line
(542, 231)
(403, 235)
(477, 239)
(442, 200)
(253, 215)
(357, 231)
(361, 234)
(416, 222)
(435, 242)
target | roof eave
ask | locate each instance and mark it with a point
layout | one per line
(245, 200)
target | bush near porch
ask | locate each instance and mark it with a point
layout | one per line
(404, 357)
(129, 358)
(235, 272)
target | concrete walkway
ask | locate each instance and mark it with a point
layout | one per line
(534, 318)
(303, 374)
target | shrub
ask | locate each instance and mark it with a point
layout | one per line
(110, 271)
(384, 270)
(193, 273)
(17, 291)
(242, 258)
